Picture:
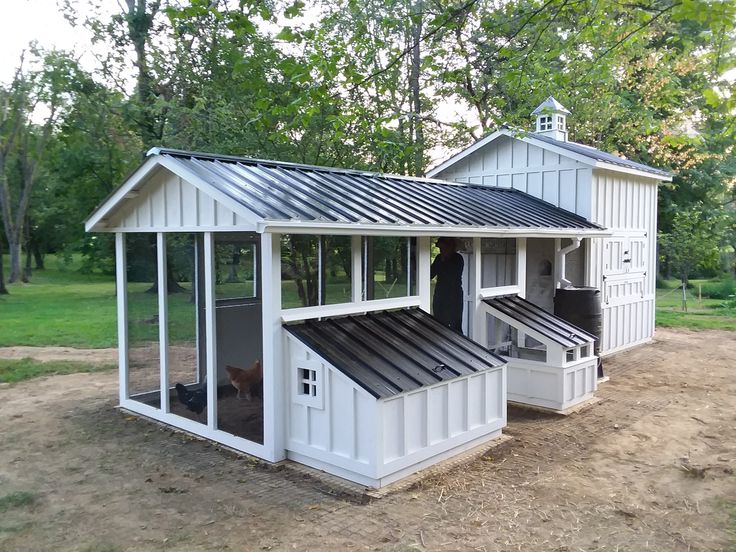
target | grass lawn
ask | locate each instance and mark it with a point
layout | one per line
(15, 370)
(65, 308)
(59, 307)
(707, 314)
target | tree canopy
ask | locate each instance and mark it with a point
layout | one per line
(382, 85)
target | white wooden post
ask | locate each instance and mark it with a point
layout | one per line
(557, 271)
(424, 289)
(210, 324)
(521, 280)
(274, 388)
(521, 266)
(356, 269)
(475, 283)
(163, 320)
(121, 282)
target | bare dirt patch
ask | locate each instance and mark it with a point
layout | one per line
(650, 467)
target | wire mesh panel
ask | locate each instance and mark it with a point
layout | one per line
(144, 375)
(187, 381)
(239, 336)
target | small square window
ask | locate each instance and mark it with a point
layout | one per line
(560, 122)
(570, 355)
(545, 123)
(308, 384)
(308, 380)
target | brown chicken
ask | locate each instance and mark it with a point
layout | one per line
(246, 380)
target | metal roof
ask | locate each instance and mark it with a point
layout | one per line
(550, 104)
(534, 317)
(287, 192)
(392, 352)
(597, 154)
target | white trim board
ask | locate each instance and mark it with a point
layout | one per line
(96, 222)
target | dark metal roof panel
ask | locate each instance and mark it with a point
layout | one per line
(278, 191)
(598, 155)
(392, 352)
(534, 317)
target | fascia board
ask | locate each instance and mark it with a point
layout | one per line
(628, 170)
(589, 161)
(310, 227)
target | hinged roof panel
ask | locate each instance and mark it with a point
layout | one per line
(392, 352)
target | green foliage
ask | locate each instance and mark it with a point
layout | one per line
(367, 85)
(12, 371)
(721, 289)
(692, 243)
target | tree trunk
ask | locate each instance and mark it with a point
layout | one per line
(139, 19)
(3, 289)
(37, 255)
(416, 97)
(15, 256)
(27, 273)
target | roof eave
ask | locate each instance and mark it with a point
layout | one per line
(312, 227)
(631, 170)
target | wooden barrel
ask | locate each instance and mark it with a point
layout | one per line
(581, 306)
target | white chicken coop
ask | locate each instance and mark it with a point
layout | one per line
(323, 275)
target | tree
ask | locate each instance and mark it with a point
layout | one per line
(692, 243)
(39, 93)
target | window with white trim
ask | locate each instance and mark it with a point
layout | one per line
(308, 383)
(498, 262)
(560, 122)
(545, 122)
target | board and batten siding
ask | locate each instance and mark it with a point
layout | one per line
(624, 265)
(169, 203)
(510, 163)
(350, 433)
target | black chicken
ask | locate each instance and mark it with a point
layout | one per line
(195, 400)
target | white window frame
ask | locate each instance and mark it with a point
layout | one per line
(315, 400)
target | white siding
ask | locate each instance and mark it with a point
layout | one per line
(375, 441)
(510, 163)
(626, 204)
(432, 420)
(341, 428)
(624, 265)
(169, 203)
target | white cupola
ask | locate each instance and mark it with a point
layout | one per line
(552, 119)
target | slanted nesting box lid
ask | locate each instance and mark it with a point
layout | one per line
(392, 352)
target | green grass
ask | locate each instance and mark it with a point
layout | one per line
(15, 370)
(59, 307)
(705, 314)
(20, 499)
(63, 307)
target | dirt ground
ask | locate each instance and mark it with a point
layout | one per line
(649, 467)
